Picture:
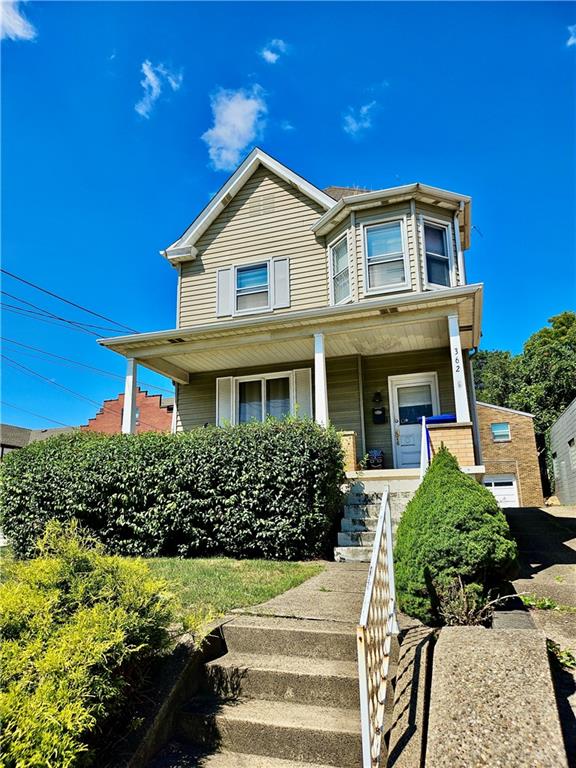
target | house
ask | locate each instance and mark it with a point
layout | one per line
(563, 447)
(13, 437)
(153, 413)
(345, 305)
(509, 455)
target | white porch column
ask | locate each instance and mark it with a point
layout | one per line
(320, 388)
(458, 378)
(129, 413)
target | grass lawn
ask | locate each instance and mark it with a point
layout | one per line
(216, 585)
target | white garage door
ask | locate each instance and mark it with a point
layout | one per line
(505, 489)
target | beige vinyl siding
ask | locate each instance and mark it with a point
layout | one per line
(268, 218)
(375, 372)
(344, 396)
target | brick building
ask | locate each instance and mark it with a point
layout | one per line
(510, 456)
(153, 414)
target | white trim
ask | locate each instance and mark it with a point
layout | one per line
(417, 243)
(458, 377)
(257, 310)
(130, 390)
(183, 249)
(331, 276)
(392, 288)
(508, 438)
(354, 255)
(174, 424)
(447, 227)
(459, 251)
(407, 380)
(179, 290)
(320, 381)
(501, 408)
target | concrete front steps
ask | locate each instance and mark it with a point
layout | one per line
(362, 507)
(284, 695)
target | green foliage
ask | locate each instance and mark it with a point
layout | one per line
(451, 530)
(564, 656)
(541, 380)
(267, 490)
(77, 626)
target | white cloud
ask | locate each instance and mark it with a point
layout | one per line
(358, 120)
(156, 76)
(13, 25)
(239, 118)
(572, 32)
(286, 125)
(273, 50)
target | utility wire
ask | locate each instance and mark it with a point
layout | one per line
(18, 366)
(80, 364)
(67, 301)
(32, 413)
(41, 311)
(74, 323)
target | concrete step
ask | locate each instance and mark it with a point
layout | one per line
(306, 637)
(301, 732)
(176, 755)
(352, 554)
(361, 510)
(356, 539)
(358, 524)
(283, 678)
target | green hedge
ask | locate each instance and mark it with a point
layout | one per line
(267, 490)
(452, 528)
(77, 627)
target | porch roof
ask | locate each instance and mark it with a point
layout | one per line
(380, 326)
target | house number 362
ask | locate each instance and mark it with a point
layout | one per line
(456, 359)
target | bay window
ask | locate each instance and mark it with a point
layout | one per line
(437, 250)
(340, 271)
(385, 256)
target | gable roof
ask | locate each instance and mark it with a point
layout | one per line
(183, 249)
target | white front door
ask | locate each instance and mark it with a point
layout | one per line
(411, 397)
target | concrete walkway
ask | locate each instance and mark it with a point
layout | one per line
(547, 547)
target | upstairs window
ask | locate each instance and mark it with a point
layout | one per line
(437, 254)
(501, 432)
(385, 256)
(252, 288)
(340, 272)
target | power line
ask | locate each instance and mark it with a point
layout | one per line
(31, 372)
(32, 413)
(41, 311)
(67, 301)
(80, 364)
(24, 313)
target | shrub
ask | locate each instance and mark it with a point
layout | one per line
(77, 626)
(452, 529)
(255, 490)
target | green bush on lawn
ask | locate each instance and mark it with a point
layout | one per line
(254, 490)
(77, 627)
(451, 528)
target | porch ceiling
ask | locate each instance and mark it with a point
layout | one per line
(371, 328)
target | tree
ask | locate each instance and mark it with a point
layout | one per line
(493, 376)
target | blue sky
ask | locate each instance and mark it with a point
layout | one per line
(119, 120)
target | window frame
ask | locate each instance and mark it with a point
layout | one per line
(256, 310)
(262, 378)
(332, 275)
(448, 235)
(507, 439)
(393, 287)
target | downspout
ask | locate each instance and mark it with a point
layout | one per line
(460, 255)
(475, 426)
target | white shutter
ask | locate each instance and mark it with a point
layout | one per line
(224, 401)
(303, 392)
(224, 292)
(281, 282)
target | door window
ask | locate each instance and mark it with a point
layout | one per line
(413, 403)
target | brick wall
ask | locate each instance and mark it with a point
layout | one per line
(457, 438)
(518, 456)
(154, 415)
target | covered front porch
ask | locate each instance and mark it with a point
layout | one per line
(371, 370)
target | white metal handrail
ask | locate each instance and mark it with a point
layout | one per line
(424, 452)
(374, 637)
